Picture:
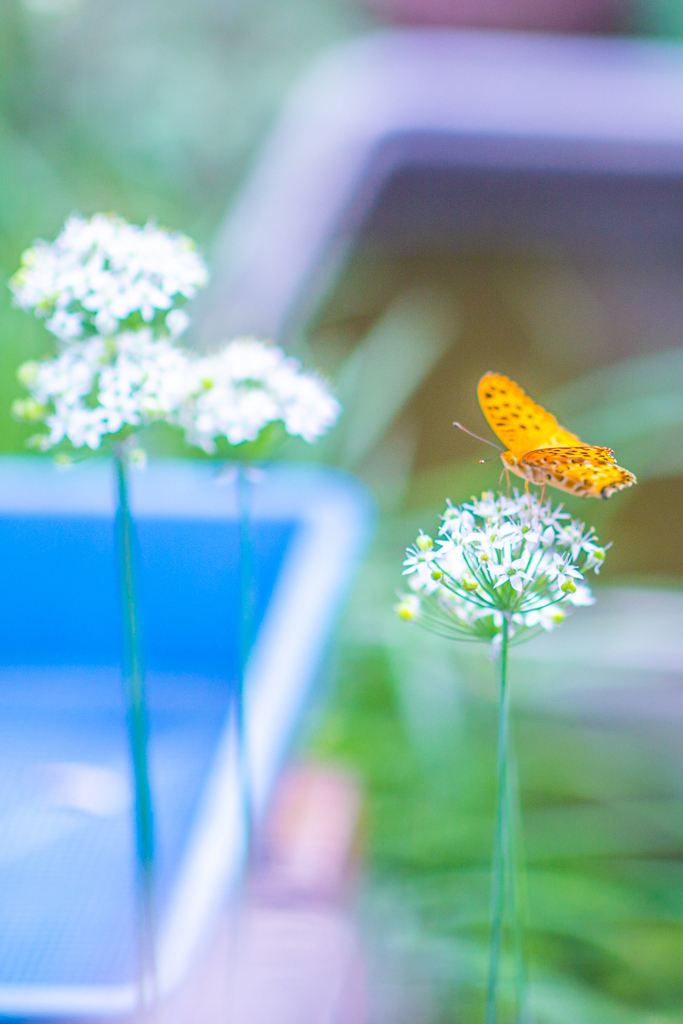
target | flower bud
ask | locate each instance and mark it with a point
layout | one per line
(28, 372)
(469, 583)
(568, 587)
(27, 409)
(408, 608)
(437, 574)
(424, 542)
(137, 458)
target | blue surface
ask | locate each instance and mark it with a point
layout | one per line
(66, 875)
(61, 604)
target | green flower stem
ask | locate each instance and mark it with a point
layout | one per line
(502, 837)
(246, 612)
(516, 888)
(136, 719)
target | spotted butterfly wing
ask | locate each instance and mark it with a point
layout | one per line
(583, 469)
(518, 421)
(543, 452)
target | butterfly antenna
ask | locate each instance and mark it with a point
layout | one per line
(460, 427)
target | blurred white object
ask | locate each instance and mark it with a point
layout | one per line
(601, 110)
(84, 787)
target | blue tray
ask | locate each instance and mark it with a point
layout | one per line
(66, 846)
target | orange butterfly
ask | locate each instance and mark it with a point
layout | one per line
(543, 452)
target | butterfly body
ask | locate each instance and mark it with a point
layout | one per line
(543, 452)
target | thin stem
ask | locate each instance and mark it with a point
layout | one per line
(484, 576)
(449, 635)
(136, 719)
(450, 583)
(548, 604)
(516, 879)
(246, 613)
(501, 837)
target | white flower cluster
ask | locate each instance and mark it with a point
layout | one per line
(498, 558)
(103, 275)
(100, 386)
(112, 293)
(248, 385)
(103, 385)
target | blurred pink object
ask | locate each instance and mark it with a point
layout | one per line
(289, 952)
(539, 15)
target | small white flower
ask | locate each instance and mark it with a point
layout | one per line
(418, 556)
(537, 534)
(104, 322)
(457, 522)
(66, 326)
(547, 618)
(491, 507)
(504, 535)
(177, 322)
(581, 596)
(512, 572)
(450, 558)
(561, 570)
(595, 556)
(573, 535)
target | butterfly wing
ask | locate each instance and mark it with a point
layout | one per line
(518, 421)
(583, 469)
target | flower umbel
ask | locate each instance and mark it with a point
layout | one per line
(248, 385)
(103, 275)
(498, 557)
(102, 386)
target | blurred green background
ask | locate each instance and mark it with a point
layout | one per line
(156, 108)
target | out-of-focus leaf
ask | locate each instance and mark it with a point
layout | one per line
(379, 377)
(562, 1001)
(635, 406)
(639, 377)
(609, 829)
(560, 309)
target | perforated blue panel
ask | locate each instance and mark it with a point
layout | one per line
(66, 874)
